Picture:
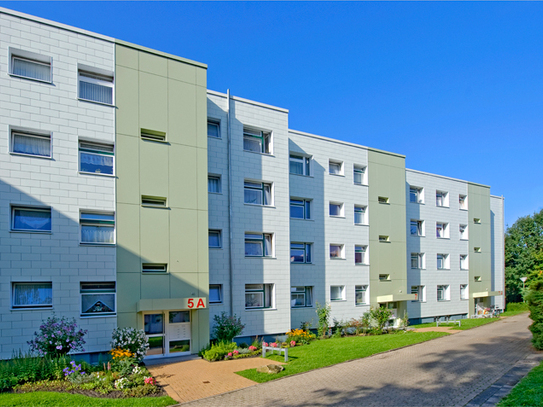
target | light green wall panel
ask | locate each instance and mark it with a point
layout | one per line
(182, 72)
(203, 329)
(203, 243)
(128, 226)
(127, 169)
(201, 175)
(155, 286)
(153, 64)
(153, 102)
(201, 118)
(181, 113)
(184, 180)
(201, 78)
(128, 320)
(128, 291)
(126, 96)
(183, 285)
(154, 229)
(184, 232)
(154, 174)
(126, 57)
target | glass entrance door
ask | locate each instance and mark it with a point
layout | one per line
(178, 333)
(154, 329)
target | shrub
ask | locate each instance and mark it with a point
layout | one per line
(338, 328)
(323, 313)
(219, 350)
(133, 340)
(380, 316)
(300, 336)
(57, 337)
(535, 304)
(226, 327)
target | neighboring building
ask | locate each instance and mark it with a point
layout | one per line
(106, 171)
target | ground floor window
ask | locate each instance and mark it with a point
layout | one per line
(301, 296)
(361, 292)
(258, 296)
(97, 299)
(420, 292)
(32, 295)
(337, 293)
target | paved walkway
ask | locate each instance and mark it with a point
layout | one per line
(450, 371)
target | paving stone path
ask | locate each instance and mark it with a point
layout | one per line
(457, 370)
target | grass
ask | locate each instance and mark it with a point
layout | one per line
(52, 399)
(467, 323)
(329, 352)
(515, 308)
(529, 391)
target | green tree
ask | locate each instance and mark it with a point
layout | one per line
(523, 255)
(535, 303)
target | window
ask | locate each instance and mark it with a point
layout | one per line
(384, 238)
(152, 135)
(442, 230)
(335, 167)
(416, 195)
(337, 293)
(300, 252)
(258, 244)
(214, 184)
(32, 295)
(464, 265)
(463, 202)
(29, 219)
(416, 227)
(301, 297)
(360, 294)
(30, 65)
(477, 221)
(97, 228)
(442, 198)
(215, 239)
(464, 293)
(257, 141)
(384, 277)
(30, 143)
(420, 293)
(96, 158)
(300, 208)
(258, 296)
(154, 268)
(300, 165)
(360, 255)
(417, 260)
(336, 251)
(95, 85)
(359, 175)
(213, 129)
(258, 193)
(477, 279)
(215, 293)
(443, 293)
(336, 209)
(360, 217)
(463, 229)
(97, 299)
(383, 200)
(477, 249)
(154, 201)
(443, 261)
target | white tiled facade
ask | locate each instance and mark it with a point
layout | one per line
(55, 182)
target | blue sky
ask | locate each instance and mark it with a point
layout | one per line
(456, 87)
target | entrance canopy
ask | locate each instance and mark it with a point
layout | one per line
(483, 294)
(396, 297)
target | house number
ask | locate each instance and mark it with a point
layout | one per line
(200, 303)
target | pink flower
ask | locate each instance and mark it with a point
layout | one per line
(150, 380)
(264, 343)
(236, 352)
(252, 348)
(229, 354)
(292, 343)
(274, 345)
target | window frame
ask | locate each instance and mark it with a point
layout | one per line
(219, 238)
(364, 211)
(306, 292)
(216, 123)
(464, 289)
(445, 290)
(419, 225)
(218, 178)
(154, 268)
(341, 209)
(464, 261)
(341, 291)
(445, 264)
(104, 222)
(307, 252)
(420, 293)
(262, 241)
(384, 239)
(341, 251)
(268, 301)
(463, 202)
(102, 149)
(264, 137)
(95, 76)
(364, 258)
(219, 291)
(361, 289)
(94, 291)
(262, 189)
(417, 193)
(384, 277)
(41, 209)
(305, 161)
(445, 230)
(14, 306)
(444, 201)
(417, 259)
(29, 133)
(31, 57)
(362, 170)
(305, 205)
(340, 172)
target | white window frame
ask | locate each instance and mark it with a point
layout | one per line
(31, 57)
(419, 227)
(305, 161)
(446, 293)
(420, 293)
(464, 291)
(263, 185)
(14, 284)
(305, 205)
(384, 277)
(445, 261)
(363, 289)
(307, 249)
(268, 295)
(334, 163)
(341, 251)
(463, 202)
(364, 211)
(383, 200)
(341, 289)
(218, 178)
(101, 149)
(218, 288)
(341, 209)
(154, 267)
(215, 124)
(416, 194)
(42, 209)
(442, 199)
(418, 261)
(95, 76)
(477, 249)
(29, 133)
(444, 228)
(85, 289)
(104, 222)
(263, 137)
(253, 237)
(363, 249)
(464, 262)
(463, 231)
(362, 170)
(218, 232)
(304, 292)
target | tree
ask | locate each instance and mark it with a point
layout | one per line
(523, 255)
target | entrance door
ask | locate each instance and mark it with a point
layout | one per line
(154, 329)
(178, 333)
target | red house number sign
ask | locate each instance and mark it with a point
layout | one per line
(199, 304)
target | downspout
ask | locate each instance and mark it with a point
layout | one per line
(230, 214)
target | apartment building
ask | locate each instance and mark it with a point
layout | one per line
(132, 196)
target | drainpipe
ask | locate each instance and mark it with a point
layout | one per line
(230, 214)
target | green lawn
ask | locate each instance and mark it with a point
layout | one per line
(52, 399)
(329, 352)
(529, 391)
(514, 312)
(464, 323)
